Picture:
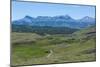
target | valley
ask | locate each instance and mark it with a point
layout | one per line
(32, 48)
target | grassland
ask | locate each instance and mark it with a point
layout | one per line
(31, 48)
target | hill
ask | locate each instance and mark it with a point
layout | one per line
(42, 29)
(32, 48)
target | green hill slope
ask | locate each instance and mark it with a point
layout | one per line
(31, 48)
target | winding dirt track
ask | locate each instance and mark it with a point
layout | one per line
(51, 52)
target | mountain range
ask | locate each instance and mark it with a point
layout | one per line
(56, 21)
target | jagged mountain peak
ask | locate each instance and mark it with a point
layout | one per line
(63, 17)
(56, 21)
(87, 17)
(28, 17)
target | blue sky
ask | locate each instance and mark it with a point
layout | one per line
(21, 9)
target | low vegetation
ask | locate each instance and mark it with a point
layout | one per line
(32, 48)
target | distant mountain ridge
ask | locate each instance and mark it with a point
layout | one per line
(56, 21)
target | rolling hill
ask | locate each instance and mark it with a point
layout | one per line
(32, 48)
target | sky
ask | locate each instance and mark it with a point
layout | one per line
(33, 9)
